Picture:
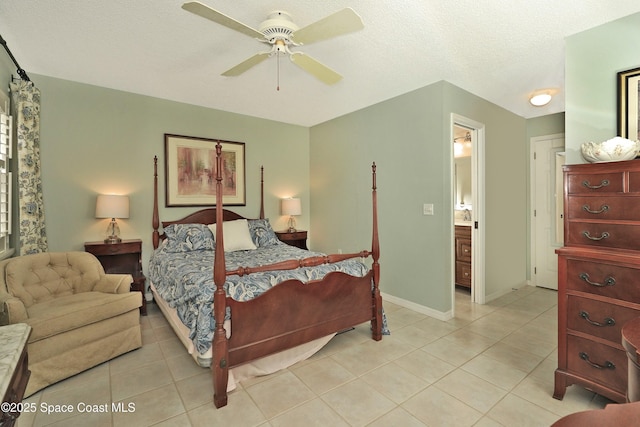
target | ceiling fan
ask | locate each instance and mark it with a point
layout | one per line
(280, 32)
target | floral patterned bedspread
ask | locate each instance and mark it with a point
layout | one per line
(185, 281)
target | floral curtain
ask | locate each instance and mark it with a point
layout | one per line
(25, 103)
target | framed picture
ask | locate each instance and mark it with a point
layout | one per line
(190, 171)
(629, 104)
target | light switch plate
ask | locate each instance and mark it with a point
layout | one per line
(427, 209)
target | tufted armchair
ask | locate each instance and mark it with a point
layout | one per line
(80, 316)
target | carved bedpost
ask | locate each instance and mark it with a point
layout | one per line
(220, 348)
(156, 218)
(261, 192)
(376, 322)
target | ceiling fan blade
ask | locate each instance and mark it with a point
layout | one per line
(342, 22)
(246, 64)
(320, 71)
(206, 12)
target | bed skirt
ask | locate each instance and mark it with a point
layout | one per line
(263, 366)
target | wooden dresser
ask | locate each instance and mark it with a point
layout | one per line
(598, 276)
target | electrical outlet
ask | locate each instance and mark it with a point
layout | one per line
(427, 209)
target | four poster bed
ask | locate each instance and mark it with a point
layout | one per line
(196, 261)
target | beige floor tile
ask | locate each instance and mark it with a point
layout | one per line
(403, 317)
(523, 341)
(515, 411)
(450, 351)
(183, 366)
(358, 403)
(150, 407)
(497, 373)
(428, 372)
(323, 375)
(434, 407)
(470, 340)
(196, 391)
(358, 359)
(279, 394)
(394, 382)
(541, 393)
(148, 377)
(240, 411)
(473, 391)
(425, 366)
(135, 359)
(491, 327)
(514, 357)
(397, 417)
(322, 416)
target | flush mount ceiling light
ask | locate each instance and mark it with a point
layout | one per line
(540, 98)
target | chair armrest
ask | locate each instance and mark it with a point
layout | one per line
(114, 284)
(12, 310)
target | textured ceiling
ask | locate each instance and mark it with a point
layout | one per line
(500, 50)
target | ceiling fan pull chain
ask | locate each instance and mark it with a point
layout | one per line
(278, 67)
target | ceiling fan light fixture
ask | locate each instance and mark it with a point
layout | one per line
(541, 98)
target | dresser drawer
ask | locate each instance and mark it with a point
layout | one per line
(634, 182)
(590, 183)
(598, 362)
(604, 235)
(463, 249)
(612, 281)
(597, 318)
(604, 208)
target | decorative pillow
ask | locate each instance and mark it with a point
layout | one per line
(188, 237)
(261, 233)
(236, 235)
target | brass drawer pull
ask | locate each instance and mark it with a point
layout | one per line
(603, 183)
(609, 281)
(607, 365)
(608, 321)
(604, 235)
(603, 209)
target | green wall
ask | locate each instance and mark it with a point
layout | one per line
(593, 58)
(96, 140)
(409, 137)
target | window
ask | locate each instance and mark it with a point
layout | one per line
(6, 132)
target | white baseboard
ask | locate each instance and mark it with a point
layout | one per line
(444, 316)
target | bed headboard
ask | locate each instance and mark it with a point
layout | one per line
(203, 216)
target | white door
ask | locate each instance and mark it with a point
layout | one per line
(547, 231)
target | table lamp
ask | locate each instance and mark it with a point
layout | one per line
(112, 206)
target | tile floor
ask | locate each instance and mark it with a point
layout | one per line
(492, 365)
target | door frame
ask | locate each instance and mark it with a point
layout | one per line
(532, 182)
(478, 290)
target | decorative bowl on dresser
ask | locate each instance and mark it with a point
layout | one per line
(598, 276)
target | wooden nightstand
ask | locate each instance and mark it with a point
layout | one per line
(124, 257)
(296, 238)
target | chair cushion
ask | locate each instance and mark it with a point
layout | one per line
(75, 311)
(41, 277)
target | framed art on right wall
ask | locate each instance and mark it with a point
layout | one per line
(628, 104)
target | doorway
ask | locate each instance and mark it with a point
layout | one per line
(467, 138)
(547, 208)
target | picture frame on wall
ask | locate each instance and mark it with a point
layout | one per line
(190, 171)
(629, 104)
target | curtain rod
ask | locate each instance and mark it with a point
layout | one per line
(22, 73)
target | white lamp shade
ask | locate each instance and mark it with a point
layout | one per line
(111, 206)
(291, 206)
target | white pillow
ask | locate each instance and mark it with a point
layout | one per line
(236, 235)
